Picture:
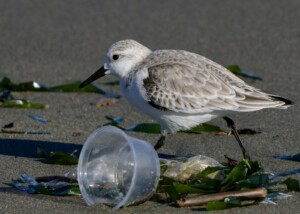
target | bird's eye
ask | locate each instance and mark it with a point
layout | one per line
(115, 57)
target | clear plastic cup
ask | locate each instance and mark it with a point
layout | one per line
(116, 169)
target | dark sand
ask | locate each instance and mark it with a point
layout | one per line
(56, 42)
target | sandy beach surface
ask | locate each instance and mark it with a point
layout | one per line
(57, 42)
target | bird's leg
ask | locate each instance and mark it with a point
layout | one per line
(161, 140)
(231, 125)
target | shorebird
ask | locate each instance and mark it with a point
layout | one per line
(180, 89)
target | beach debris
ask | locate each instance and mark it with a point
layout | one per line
(295, 157)
(182, 171)
(240, 72)
(223, 196)
(7, 84)
(9, 101)
(60, 158)
(10, 130)
(195, 181)
(102, 102)
(248, 131)
(52, 185)
(8, 126)
(154, 128)
(244, 131)
(204, 127)
(38, 118)
(21, 103)
(226, 191)
(285, 173)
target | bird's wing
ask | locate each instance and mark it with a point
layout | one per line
(202, 88)
(183, 88)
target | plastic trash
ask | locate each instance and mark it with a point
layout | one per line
(116, 169)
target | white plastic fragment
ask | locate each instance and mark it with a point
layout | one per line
(181, 171)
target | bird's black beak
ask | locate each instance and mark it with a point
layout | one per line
(99, 73)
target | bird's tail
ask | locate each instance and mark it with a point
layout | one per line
(259, 100)
(285, 102)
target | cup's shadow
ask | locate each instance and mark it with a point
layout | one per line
(28, 148)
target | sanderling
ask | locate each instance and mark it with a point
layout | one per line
(179, 89)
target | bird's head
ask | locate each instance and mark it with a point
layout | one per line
(120, 59)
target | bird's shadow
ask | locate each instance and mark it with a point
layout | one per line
(28, 148)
